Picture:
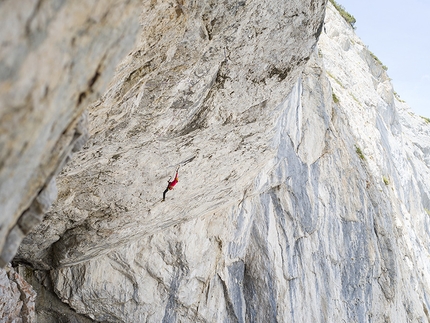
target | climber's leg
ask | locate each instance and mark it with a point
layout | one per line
(164, 193)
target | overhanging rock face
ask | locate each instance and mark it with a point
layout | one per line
(207, 82)
(304, 198)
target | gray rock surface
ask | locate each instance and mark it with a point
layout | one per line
(56, 57)
(17, 298)
(306, 200)
(206, 82)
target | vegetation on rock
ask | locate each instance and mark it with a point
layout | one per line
(345, 14)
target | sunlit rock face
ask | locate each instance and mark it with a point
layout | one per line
(303, 191)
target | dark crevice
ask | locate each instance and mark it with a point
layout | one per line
(81, 97)
(94, 78)
(281, 73)
(319, 30)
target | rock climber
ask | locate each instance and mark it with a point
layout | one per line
(171, 184)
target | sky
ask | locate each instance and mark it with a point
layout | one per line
(398, 33)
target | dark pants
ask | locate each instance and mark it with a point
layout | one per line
(164, 193)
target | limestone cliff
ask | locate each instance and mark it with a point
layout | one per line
(303, 191)
(208, 88)
(56, 58)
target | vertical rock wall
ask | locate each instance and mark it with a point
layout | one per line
(56, 58)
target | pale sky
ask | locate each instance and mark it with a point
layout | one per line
(398, 33)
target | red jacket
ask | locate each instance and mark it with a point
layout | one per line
(173, 183)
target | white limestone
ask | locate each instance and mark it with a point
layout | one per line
(278, 218)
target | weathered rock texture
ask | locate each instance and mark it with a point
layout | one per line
(207, 83)
(56, 57)
(304, 199)
(17, 298)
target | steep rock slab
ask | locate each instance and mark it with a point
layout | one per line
(56, 58)
(322, 238)
(391, 142)
(205, 84)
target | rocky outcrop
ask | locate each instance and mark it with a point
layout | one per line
(303, 191)
(17, 299)
(56, 58)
